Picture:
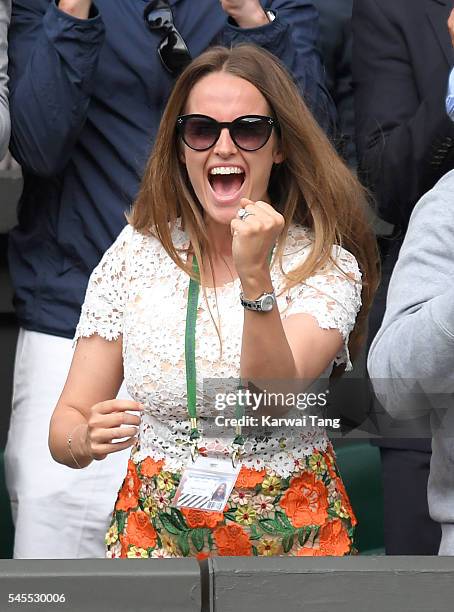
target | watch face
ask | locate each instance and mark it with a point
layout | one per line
(267, 303)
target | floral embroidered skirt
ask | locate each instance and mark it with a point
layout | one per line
(307, 514)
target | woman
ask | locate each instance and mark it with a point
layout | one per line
(243, 192)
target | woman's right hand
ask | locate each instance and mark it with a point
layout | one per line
(108, 421)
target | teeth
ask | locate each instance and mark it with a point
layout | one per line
(227, 170)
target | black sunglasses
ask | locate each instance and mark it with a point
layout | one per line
(249, 132)
(172, 50)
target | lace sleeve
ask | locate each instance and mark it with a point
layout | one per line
(102, 310)
(332, 297)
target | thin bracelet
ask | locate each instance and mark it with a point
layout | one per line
(69, 445)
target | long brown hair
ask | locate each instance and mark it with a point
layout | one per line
(312, 186)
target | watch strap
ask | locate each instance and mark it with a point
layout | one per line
(256, 304)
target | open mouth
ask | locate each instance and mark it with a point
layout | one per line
(226, 180)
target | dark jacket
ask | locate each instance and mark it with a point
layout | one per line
(335, 44)
(86, 101)
(402, 57)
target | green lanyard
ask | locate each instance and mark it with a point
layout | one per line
(189, 354)
(191, 373)
(189, 351)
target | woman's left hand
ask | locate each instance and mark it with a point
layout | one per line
(253, 239)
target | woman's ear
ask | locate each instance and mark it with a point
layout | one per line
(278, 157)
(181, 155)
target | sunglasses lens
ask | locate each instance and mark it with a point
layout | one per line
(172, 49)
(174, 53)
(159, 18)
(251, 133)
(200, 133)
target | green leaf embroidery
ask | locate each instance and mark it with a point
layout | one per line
(268, 525)
(198, 538)
(255, 552)
(284, 520)
(177, 518)
(183, 543)
(254, 534)
(121, 520)
(230, 515)
(303, 535)
(287, 542)
(168, 523)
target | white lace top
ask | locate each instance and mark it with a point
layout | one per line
(137, 291)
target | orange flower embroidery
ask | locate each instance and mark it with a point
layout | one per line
(249, 478)
(140, 532)
(330, 464)
(346, 501)
(128, 495)
(308, 552)
(334, 540)
(124, 546)
(200, 518)
(232, 541)
(305, 501)
(149, 467)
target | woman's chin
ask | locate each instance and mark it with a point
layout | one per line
(222, 214)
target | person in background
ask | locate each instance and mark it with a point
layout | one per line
(412, 356)
(89, 82)
(335, 44)
(402, 57)
(5, 14)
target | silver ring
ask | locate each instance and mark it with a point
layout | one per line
(243, 214)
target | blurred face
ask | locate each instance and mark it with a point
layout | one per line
(224, 173)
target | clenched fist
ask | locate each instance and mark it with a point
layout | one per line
(254, 237)
(246, 13)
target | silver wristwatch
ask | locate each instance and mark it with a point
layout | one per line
(264, 303)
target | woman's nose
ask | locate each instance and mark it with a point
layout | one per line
(225, 145)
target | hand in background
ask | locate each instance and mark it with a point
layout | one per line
(246, 13)
(76, 8)
(451, 26)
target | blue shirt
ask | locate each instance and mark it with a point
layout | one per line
(450, 96)
(86, 101)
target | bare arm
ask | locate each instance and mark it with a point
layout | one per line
(272, 349)
(86, 411)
